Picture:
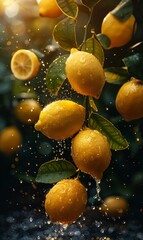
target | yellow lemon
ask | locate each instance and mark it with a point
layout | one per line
(61, 119)
(129, 100)
(10, 140)
(49, 8)
(24, 64)
(85, 73)
(66, 201)
(91, 152)
(27, 111)
(114, 206)
(119, 32)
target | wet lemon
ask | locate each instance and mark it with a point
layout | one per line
(91, 152)
(61, 119)
(10, 140)
(49, 8)
(85, 73)
(129, 100)
(119, 32)
(114, 206)
(66, 201)
(27, 111)
(24, 64)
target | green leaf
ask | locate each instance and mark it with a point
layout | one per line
(90, 3)
(56, 74)
(68, 7)
(134, 64)
(54, 171)
(116, 75)
(123, 10)
(104, 40)
(114, 136)
(64, 34)
(93, 46)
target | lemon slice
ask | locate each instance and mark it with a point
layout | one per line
(24, 64)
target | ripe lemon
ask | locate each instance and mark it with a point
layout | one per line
(27, 111)
(10, 140)
(129, 100)
(24, 64)
(49, 8)
(114, 206)
(91, 152)
(61, 119)
(66, 201)
(119, 32)
(85, 73)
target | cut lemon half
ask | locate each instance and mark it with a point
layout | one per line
(24, 64)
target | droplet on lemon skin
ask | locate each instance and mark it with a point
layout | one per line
(129, 100)
(61, 119)
(66, 201)
(91, 152)
(85, 73)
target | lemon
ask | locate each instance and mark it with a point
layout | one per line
(66, 201)
(49, 8)
(119, 32)
(85, 73)
(61, 119)
(24, 64)
(114, 206)
(27, 111)
(129, 100)
(10, 140)
(91, 153)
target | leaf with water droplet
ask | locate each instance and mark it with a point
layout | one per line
(55, 170)
(56, 74)
(64, 34)
(116, 75)
(93, 46)
(114, 136)
(68, 7)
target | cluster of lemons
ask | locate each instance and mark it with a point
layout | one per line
(62, 119)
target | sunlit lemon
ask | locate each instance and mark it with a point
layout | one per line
(49, 8)
(129, 100)
(85, 73)
(91, 152)
(119, 32)
(66, 201)
(61, 119)
(24, 64)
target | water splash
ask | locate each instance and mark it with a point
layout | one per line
(98, 190)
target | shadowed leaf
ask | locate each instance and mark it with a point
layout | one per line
(116, 75)
(64, 34)
(56, 74)
(55, 170)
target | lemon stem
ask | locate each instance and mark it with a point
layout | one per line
(86, 27)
